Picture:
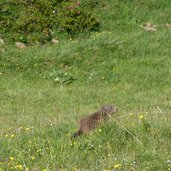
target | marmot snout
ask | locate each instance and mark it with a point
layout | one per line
(90, 122)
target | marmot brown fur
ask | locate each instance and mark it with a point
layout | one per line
(90, 122)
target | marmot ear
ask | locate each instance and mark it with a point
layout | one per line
(104, 107)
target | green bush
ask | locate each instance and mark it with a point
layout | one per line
(30, 20)
(73, 18)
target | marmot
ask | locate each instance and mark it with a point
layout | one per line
(90, 122)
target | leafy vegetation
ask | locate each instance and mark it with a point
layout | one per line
(31, 21)
(45, 89)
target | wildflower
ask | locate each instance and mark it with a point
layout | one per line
(56, 79)
(168, 161)
(1, 41)
(45, 170)
(19, 167)
(131, 114)
(12, 135)
(32, 157)
(11, 158)
(47, 149)
(141, 116)
(116, 166)
(99, 130)
(6, 135)
(38, 150)
(27, 129)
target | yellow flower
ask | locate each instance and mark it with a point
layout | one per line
(100, 130)
(45, 170)
(27, 129)
(32, 157)
(19, 167)
(141, 116)
(11, 158)
(116, 166)
(12, 135)
(38, 150)
(6, 135)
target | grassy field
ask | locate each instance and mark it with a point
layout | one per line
(45, 89)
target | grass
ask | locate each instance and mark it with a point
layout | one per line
(122, 64)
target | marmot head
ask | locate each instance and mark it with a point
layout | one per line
(108, 109)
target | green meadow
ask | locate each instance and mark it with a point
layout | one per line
(45, 89)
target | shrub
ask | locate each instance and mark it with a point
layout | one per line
(30, 20)
(73, 18)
